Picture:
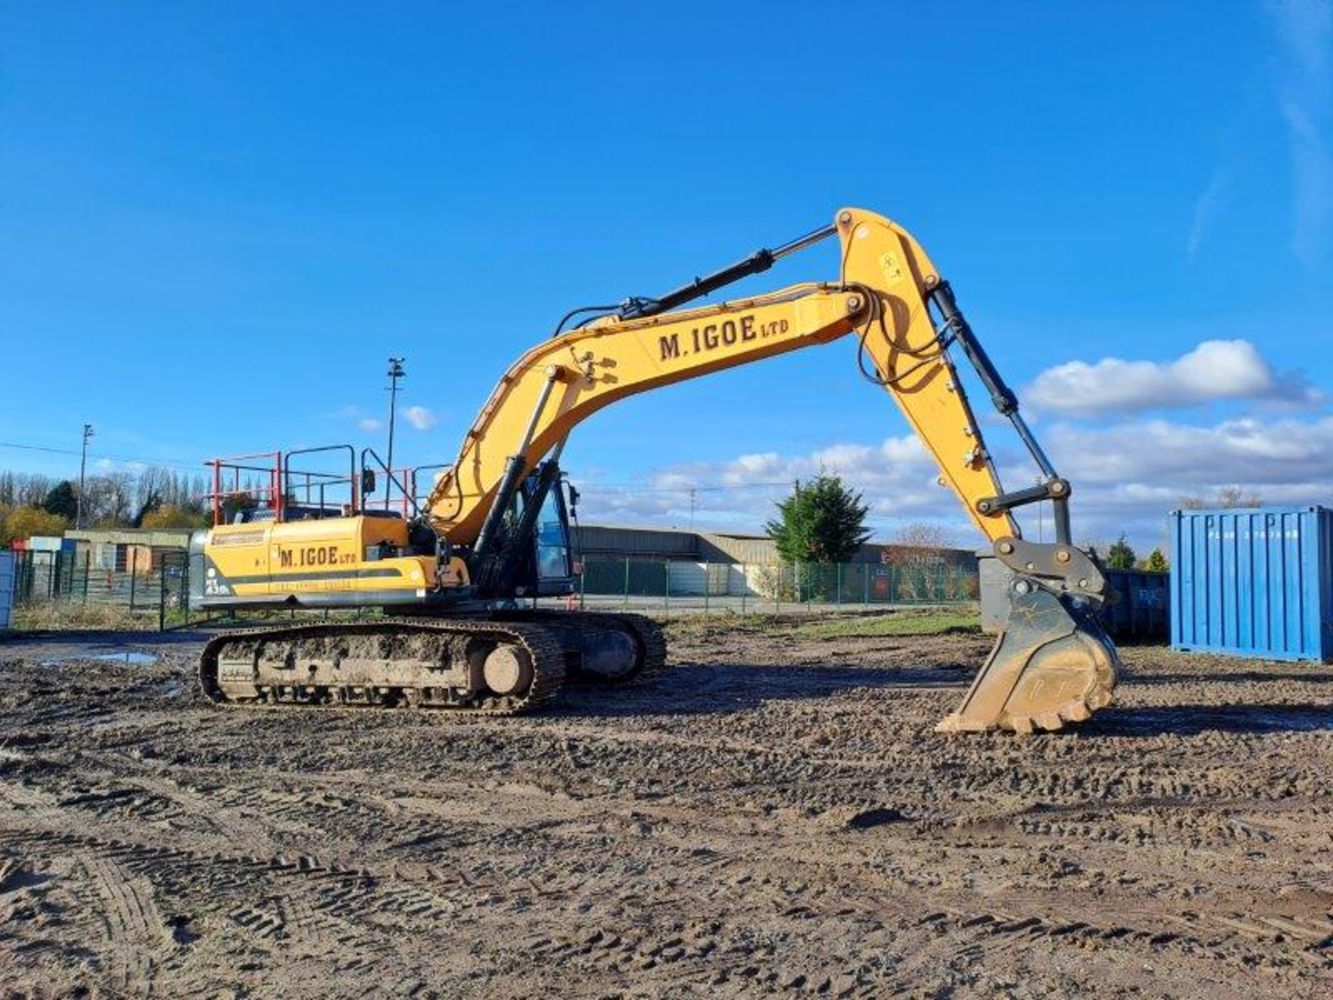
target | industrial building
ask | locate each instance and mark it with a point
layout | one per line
(595, 541)
(632, 561)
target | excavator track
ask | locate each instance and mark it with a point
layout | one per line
(649, 640)
(413, 662)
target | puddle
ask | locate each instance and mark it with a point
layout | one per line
(134, 659)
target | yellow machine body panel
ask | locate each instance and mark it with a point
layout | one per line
(270, 562)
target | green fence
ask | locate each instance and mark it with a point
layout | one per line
(157, 588)
(744, 587)
(160, 590)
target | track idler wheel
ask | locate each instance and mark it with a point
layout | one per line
(507, 670)
(1053, 664)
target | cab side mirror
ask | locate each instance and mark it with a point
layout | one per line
(367, 482)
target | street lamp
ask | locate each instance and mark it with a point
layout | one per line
(83, 465)
(395, 373)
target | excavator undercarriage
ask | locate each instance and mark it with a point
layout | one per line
(459, 574)
(496, 666)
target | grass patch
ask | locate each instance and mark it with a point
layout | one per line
(932, 622)
(59, 616)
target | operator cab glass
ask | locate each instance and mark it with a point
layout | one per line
(552, 539)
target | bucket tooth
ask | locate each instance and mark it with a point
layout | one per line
(1076, 711)
(1100, 698)
(1050, 721)
(1051, 665)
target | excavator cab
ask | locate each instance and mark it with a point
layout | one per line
(546, 561)
(530, 554)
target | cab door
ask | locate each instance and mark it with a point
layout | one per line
(554, 563)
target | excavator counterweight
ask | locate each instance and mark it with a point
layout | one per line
(493, 530)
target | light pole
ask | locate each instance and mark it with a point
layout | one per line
(83, 465)
(395, 373)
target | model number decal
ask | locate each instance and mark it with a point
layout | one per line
(314, 555)
(702, 339)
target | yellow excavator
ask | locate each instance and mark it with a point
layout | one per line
(457, 576)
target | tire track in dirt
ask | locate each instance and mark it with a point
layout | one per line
(136, 939)
(772, 814)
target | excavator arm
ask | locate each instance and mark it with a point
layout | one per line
(1053, 663)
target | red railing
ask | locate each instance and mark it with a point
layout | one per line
(262, 487)
(241, 483)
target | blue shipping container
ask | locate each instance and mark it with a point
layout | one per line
(1139, 611)
(1253, 582)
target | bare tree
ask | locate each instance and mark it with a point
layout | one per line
(917, 550)
(113, 499)
(1227, 497)
(31, 490)
(1234, 496)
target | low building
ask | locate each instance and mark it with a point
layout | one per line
(652, 562)
(133, 550)
(599, 541)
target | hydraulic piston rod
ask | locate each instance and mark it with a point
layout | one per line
(760, 260)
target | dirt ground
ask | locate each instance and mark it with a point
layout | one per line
(772, 812)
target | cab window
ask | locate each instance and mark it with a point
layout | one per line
(552, 541)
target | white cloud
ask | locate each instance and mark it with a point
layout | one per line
(1215, 370)
(897, 478)
(1313, 168)
(370, 424)
(1184, 456)
(1305, 30)
(1210, 203)
(420, 417)
(1126, 477)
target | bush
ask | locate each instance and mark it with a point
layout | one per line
(24, 522)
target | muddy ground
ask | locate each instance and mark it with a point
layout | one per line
(771, 812)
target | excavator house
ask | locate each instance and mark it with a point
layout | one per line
(453, 566)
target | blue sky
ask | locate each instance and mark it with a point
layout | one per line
(217, 221)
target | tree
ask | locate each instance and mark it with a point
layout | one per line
(1156, 562)
(234, 503)
(822, 522)
(62, 500)
(1120, 555)
(918, 549)
(24, 522)
(1234, 496)
(171, 516)
(146, 507)
(1227, 497)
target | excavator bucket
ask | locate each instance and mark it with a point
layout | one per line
(1053, 664)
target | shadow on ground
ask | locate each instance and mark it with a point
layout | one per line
(693, 689)
(100, 641)
(1188, 720)
(1314, 675)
